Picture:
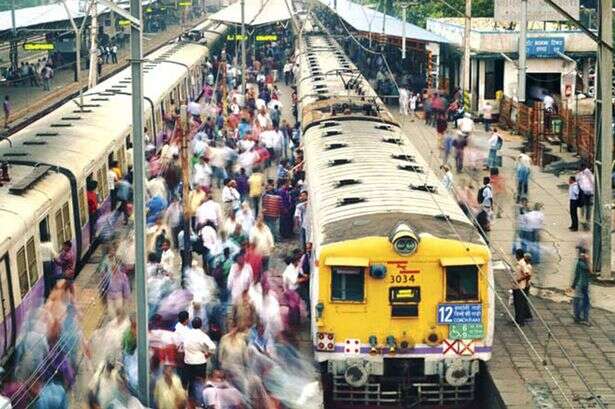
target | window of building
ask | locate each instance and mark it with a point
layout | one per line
(348, 283)
(32, 261)
(83, 214)
(461, 283)
(22, 271)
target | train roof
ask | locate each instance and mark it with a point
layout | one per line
(17, 210)
(366, 177)
(326, 71)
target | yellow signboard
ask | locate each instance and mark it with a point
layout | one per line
(267, 37)
(124, 23)
(148, 10)
(38, 46)
(185, 3)
(236, 37)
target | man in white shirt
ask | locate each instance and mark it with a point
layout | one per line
(231, 197)
(548, 102)
(535, 220)
(403, 101)
(585, 180)
(487, 115)
(194, 109)
(239, 277)
(201, 177)
(466, 124)
(198, 347)
(209, 210)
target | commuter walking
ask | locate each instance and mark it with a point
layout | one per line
(114, 53)
(518, 288)
(47, 75)
(198, 347)
(580, 286)
(487, 116)
(522, 174)
(6, 107)
(272, 209)
(573, 197)
(585, 179)
(495, 144)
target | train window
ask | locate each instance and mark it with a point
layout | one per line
(32, 262)
(121, 158)
(347, 283)
(68, 234)
(461, 283)
(59, 228)
(102, 182)
(83, 214)
(22, 271)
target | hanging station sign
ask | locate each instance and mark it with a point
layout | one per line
(547, 47)
(124, 23)
(236, 37)
(267, 37)
(39, 46)
(184, 3)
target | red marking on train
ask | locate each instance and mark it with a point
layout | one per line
(408, 271)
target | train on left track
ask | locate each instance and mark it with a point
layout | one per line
(46, 167)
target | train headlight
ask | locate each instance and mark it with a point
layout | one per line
(392, 344)
(457, 373)
(378, 270)
(325, 341)
(404, 240)
(373, 342)
(433, 338)
(356, 374)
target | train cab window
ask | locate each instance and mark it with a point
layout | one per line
(121, 158)
(101, 178)
(347, 283)
(461, 283)
(22, 271)
(83, 214)
(32, 261)
(68, 234)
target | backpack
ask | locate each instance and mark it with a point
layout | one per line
(481, 193)
(499, 143)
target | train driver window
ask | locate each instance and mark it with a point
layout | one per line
(347, 283)
(22, 271)
(461, 283)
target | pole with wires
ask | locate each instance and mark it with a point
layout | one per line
(604, 144)
(466, 54)
(404, 8)
(243, 47)
(522, 53)
(136, 65)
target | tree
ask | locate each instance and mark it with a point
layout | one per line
(418, 14)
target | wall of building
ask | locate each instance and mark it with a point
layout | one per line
(541, 65)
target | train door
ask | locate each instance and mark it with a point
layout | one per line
(7, 307)
(63, 225)
(83, 218)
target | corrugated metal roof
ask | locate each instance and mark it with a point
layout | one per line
(49, 13)
(365, 19)
(256, 12)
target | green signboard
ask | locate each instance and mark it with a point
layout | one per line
(235, 37)
(465, 331)
(38, 46)
(267, 37)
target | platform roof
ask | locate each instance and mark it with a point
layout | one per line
(256, 13)
(363, 18)
(49, 13)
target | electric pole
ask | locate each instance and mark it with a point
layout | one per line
(522, 53)
(136, 42)
(466, 53)
(92, 77)
(243, 47)
(604, 144)
(186, 130)
(404, 8)
(13, 46)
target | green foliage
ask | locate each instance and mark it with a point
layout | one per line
(417, 14)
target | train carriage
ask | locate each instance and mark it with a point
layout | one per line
(51, 160)
(401, 298)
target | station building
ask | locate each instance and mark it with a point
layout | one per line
(560, 59)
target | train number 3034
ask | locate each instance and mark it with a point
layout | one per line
(401, 278)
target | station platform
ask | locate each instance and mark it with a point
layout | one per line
(27, 101)
(518, 373)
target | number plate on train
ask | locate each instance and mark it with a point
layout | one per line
(402, 279)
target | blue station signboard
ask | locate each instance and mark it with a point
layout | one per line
(545, 47)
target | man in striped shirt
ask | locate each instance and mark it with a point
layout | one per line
(272, 207)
